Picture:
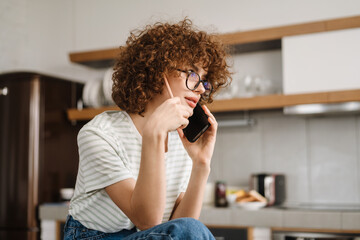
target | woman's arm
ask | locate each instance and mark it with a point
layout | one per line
(143, 201)
(189, 203)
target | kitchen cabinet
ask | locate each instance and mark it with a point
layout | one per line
(318, 62)
(230, 233)
(240, 42)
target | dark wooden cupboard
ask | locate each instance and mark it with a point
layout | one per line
(38, 149)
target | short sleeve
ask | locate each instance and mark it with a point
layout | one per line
(102, 159)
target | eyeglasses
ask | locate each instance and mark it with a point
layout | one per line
(193, 81)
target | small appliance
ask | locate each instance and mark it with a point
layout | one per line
(270, 185)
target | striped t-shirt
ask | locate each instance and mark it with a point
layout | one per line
(110, 151)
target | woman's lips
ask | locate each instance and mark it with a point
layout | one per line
(192, 102)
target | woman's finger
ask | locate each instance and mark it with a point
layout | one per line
(180, 132)
(210, 115)
(207, 111)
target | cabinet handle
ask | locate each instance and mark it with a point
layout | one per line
(4, 91)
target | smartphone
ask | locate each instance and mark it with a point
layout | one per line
(198, 124)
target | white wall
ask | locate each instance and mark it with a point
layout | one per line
(38, 34)
(107, 23)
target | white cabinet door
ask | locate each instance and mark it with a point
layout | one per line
(328, 61)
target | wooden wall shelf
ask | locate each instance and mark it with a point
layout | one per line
(247, 104)
(255, 40)
(290, 30)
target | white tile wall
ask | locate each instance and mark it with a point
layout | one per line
(238, 154)
(318, 155)
(284, 147)
(333, 158)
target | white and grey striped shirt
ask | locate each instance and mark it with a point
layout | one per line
(110, 151)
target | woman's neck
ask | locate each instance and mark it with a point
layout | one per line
(140, 121)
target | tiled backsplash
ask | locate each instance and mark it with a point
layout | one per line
(320, 156)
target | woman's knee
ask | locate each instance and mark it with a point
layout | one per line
(189, 228)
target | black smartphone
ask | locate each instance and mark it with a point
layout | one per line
(198, 124)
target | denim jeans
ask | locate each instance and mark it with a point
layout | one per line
(181, 228)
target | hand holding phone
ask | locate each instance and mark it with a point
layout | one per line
(198, 122)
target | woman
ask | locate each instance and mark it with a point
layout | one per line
(139, 177)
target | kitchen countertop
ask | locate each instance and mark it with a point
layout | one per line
(54, 211)
(282, 218)
(266, 217)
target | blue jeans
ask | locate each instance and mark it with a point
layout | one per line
(181, 228)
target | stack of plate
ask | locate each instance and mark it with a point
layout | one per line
(97, 93)
(93, 95)
(107, 86)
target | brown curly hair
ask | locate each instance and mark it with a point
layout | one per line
(160, 49)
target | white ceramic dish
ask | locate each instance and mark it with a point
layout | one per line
(251, 205)
(66, 193)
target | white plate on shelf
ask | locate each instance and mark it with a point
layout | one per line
(251, 205)
(93, 95)
(86, 93)
(107, 86)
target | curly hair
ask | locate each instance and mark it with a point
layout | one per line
(159, 49)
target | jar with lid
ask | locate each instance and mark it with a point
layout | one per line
(220, 194)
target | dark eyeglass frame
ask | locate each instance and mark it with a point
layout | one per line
(209, 91)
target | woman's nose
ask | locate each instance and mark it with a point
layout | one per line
(200, 88)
